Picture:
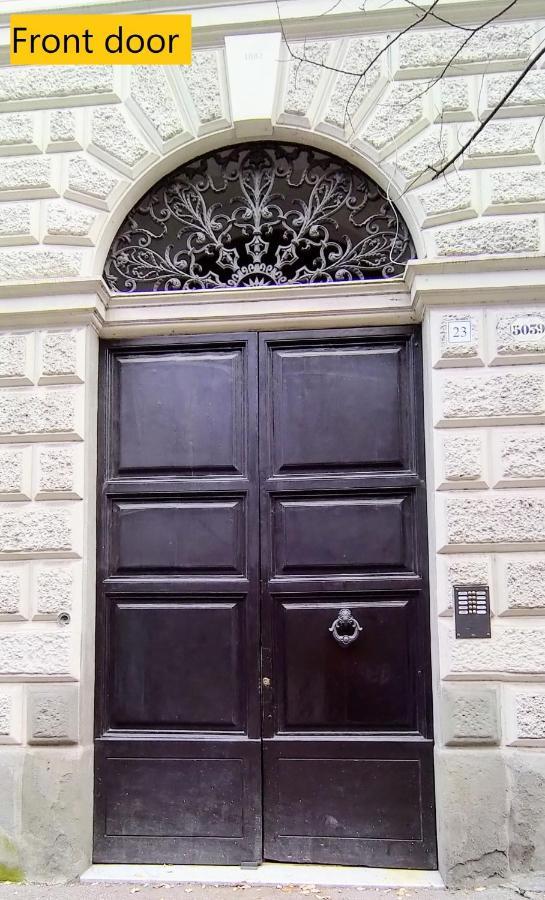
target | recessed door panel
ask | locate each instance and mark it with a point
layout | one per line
(324, 685)
(181, 413)
(333, 535)
(323, 398)
(188, 673)
(178, 537)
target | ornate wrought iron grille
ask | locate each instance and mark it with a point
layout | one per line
(258, 214)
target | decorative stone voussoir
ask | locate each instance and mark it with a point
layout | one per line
(510, 397)
(14, 590)
(28, 176)
(304, 75)
(510, 651)
(399, 113)
(455, 99)
(90, 183)
(351, 91)
(62, 126)
(49, 86)
(490, 521)
(464, 462)
(422, 157)
(53, 588)
(16, 358)
(521, 584)
(58, 470)
(28, 653)
(37, 264)
(153, 95)
(489, 237)
(471, 568)
(15, 473)
(115, 141)
(52, 714)
(62, 357)
(32, 414)
(44, 532)
(470, 716)
(204, 78)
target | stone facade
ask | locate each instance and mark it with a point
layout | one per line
(78, 146)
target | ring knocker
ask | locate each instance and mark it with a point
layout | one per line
(345, 628)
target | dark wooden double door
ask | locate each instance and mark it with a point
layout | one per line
(254, 486)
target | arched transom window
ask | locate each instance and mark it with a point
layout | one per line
(259, 214)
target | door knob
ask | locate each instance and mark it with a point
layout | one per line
(345, 628)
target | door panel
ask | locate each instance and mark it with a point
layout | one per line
(178, 761)
(348, 764)
(334, 535)
(370, 686)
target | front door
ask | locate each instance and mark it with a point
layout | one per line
(263, 673)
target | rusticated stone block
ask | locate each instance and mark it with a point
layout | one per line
(510, 651)
(470, 716)
(35, 413)
(16, 357)
(24, 265)
(68, 224)
(58, 473)
(36, 532)
(517, 186)
(470, 568)
(53, 590)
(495, 520)
(27, 176)
(505, 139)
(444, 201)
(474, 847)
(399, 111)
(18, 224)
(489, 237)
(511, 396)
(15, 471)
(530, 92)
(52, 714)
(530, 716)
(520, 335)
(305, 71)
(55, 85)
(521, 583)
(35, 653)
(62, 126)
(522, 457)
(61, 357)
(11, 705)
(464, 460)
(527, 811)
(431, 49)
(13, 590)
(423, 156)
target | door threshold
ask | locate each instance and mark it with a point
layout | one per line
(269, 873)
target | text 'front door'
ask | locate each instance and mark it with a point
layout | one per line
(263, 662)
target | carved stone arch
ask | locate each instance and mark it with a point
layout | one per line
(258, 214)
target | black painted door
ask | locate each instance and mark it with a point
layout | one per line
(224, 648)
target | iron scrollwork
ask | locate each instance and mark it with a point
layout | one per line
(259, 214)
(345, 628)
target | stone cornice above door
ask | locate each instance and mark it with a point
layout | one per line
(426, 283)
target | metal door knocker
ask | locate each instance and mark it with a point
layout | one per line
(345, 628)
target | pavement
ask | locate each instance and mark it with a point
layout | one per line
(531, 888)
